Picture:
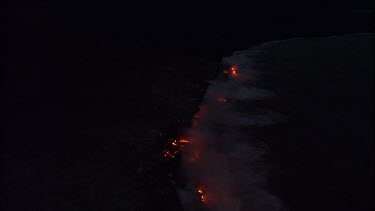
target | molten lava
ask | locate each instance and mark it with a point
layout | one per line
(234, 71)
(200, 192)
(174, 148)
(167, 153)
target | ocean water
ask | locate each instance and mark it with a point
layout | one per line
(223, 165)
(320, 143)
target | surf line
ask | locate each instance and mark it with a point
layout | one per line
(218, 155)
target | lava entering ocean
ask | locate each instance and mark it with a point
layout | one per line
(217, 153)
(221, 156)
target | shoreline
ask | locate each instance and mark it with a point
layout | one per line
(263, 133)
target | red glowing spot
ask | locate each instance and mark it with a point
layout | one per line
(200, 191)
(221, 99)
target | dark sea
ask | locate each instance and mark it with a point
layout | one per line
(93, 92)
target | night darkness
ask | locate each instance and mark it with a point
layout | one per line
(94, 95)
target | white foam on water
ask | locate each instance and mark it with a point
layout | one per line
(223, 160)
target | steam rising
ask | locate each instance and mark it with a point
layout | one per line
(223, 160)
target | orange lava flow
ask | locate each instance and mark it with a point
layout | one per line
(234, 71)
(200, 192)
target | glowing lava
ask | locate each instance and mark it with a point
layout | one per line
(174, 148)
(200, 192)
(234, 71)
(167, 153)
